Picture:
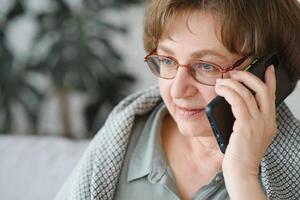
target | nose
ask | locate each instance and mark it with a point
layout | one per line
(183, 85)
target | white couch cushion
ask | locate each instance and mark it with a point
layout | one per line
(35, 167)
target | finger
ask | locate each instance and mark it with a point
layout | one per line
(270, 80)
(244, 92)
(238, 105)
(261, 90)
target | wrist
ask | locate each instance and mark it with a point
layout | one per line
(234, 171)
(244, 187)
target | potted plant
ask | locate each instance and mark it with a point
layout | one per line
(77, 56)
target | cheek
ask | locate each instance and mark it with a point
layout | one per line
(165, 88)
(165, 92)
(209, 93)
(206, 94)
(203, 95)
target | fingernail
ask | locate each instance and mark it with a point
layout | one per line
(272, 68)
(217, 87)
(219, 82)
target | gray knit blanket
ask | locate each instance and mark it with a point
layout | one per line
(96, 175)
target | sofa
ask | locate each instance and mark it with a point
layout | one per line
(35, 167)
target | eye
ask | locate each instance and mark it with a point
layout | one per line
(204, 67)
(166, 61)
(208, 67)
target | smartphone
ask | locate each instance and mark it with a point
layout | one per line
(219, 112)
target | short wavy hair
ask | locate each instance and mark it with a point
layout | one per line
(248, 27)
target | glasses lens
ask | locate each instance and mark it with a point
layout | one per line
(162, 66)
(205, 72)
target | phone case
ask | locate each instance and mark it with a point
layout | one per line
(219, 112)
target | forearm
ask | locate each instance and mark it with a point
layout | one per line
(244, 188)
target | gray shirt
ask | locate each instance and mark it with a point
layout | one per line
(146, 174)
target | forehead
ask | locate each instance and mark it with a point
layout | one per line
(195, 22)
(192, 32)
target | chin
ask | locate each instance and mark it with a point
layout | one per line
(194, 126)
(195, 130)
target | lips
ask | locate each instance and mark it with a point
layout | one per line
(187, 112)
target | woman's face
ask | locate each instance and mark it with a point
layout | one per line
(185, 98)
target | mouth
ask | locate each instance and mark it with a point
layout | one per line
(189, 112)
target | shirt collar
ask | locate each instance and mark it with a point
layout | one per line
(148, 157)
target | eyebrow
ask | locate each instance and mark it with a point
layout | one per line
(196, 54)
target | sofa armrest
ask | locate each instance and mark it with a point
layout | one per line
(35, 167)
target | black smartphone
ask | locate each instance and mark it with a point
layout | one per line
(219, 112)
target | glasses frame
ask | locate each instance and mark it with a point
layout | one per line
(222, 70)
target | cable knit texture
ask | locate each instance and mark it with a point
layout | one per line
(96, 175)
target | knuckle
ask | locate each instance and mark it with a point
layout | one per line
(247, 94)
(239, 101)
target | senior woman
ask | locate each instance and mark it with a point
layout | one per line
(158, 143)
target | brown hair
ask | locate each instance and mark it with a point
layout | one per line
(248, 27)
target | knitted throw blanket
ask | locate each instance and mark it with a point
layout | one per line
(96, 175)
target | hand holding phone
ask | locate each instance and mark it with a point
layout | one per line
(219, 110)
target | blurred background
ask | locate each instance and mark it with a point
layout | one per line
(64, 64)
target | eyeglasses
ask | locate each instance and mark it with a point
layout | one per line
(203, 72)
